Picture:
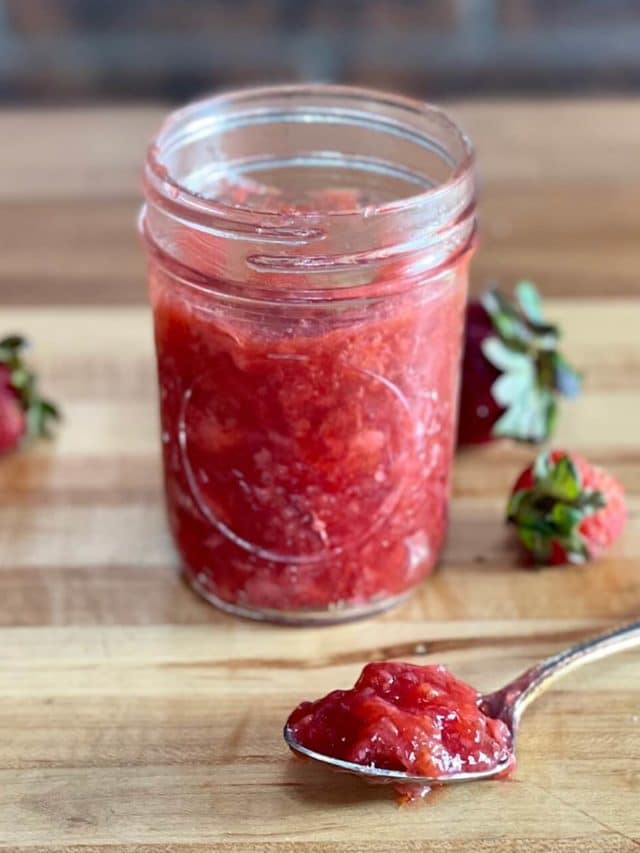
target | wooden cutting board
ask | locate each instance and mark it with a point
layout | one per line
(135, 717)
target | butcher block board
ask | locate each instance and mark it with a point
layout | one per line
(133, 716)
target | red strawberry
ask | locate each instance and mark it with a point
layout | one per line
(565, 509)
(23, 413)
(512, 371)
(13, 422)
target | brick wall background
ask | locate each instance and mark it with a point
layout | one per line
(76, 50)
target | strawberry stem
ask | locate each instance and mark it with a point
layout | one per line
(552, 509)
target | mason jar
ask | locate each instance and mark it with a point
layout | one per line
(308, 254)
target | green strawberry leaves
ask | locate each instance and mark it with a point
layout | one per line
(561, 479)
(533, 372)
(552, 509)
(566, 379)
(529, 301)
(529, 409)
(40, 412)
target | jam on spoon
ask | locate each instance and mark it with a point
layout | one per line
(405, 717)
(421, 718)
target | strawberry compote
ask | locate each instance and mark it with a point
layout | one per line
(400, 716)
(308, 346)
(308, 468)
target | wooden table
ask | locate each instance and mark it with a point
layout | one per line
(135, 717)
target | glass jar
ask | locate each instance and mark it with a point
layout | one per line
(308, 260)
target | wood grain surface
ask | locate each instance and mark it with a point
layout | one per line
(134, 717)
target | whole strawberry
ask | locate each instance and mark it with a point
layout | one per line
(23, 413)
(512, 372)
(566, 510)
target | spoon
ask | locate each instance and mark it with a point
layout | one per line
(506, 704)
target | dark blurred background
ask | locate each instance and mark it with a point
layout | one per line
(61, 51)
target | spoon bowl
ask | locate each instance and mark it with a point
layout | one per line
(380, 775)
(506, 704)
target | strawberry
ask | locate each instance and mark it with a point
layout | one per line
(12, 417)
(566, 510)
(23, 413)
(512, 371)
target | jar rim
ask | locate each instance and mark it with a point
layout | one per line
(315, 249)
(167, 186)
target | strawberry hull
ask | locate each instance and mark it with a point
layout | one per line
(512, 371)
(566, 510)
(24, 413)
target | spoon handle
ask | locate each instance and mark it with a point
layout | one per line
(528, 686)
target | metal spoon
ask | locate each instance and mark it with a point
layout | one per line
(506, 704)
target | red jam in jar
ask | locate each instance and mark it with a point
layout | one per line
(400, 716)
(308, 254)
